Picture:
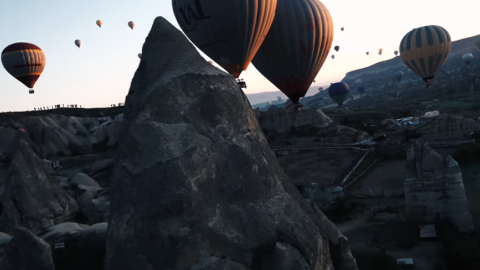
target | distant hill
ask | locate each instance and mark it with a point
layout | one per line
(272, 96)
(382, 72)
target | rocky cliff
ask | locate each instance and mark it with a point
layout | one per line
(448, 127)
(434, 188)
(196, 185)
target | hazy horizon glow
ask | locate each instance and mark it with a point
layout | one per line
(100, 73)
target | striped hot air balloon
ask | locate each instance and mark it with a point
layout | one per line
(425, 49)
(296, 46)
(289, 106)
(229, 32)
(25, 62)
(338, 92)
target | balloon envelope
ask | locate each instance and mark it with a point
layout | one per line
(140, 55)
(398, 75)
(296, 46)
(425, 49)
(361, 89)
(24, 61)
(396, 53)
(78, 42)
(99, 23)
(229, 32)
(337, 48)
(338, 92)
(467, 58)
(333, 56)
(131, 24)
(368, 53)
(342, 28)
(380, 51)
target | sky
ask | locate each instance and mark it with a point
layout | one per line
(100, 73)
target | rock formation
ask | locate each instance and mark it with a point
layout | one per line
(281, 121)
(31, 198)
(26, 251)
(434, 188)
(196, 185)
(448, 127)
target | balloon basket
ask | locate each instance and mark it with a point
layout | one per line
(31, 91)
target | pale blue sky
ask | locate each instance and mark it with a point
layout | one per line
(100, 73)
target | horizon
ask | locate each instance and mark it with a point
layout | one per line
(100, 72)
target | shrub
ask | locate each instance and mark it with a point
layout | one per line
(75, 149)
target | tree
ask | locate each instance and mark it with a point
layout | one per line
(380, 242)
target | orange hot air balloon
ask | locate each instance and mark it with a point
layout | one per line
(229, 32)
(131, 24)
(99, 23)
(296, 46)
(25, 62)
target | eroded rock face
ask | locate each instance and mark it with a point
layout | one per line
(31, 198)
(27, 251)
(434, 187)
(196, 184)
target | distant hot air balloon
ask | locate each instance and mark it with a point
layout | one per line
(337, 48)
(342, 28)
(296, 46)
(396, 53)
(358, 81)
(25, 62)
(279, 98)
(368, 53)
(78, 42)
(467, 58)
(99, 23)
(338, 92)
(229, 32)
(361, 89)
(140, 55)
(425, 49)
(211, 62)
(380, 51)
(320, 89)
(314, 81)
(398, 75)
(477, 43)
(333, 56)
(131, 24)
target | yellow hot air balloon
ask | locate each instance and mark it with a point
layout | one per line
(425, 49)
(296, 46)
(229, 32)
(380, 51)
(131, 24)
(99, 23)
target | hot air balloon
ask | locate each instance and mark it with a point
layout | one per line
(380, 51)
(396, 53)
(229, 32)
(131, 24)
(99, 23)
(211, 62)
(279, 98)
(78, 42)
(338, 92)
(296, 46)
(140, 55)
(333, 56)
(477, 43)
(368, 53)
(342, 28)
(467, 58)
(337, 48)
(361, 89)
(425, 49)
(320, 89)
(398, 75)
(25, 62)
